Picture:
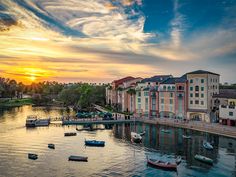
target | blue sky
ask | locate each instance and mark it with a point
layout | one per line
(102, 40)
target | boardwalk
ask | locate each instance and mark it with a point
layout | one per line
(94, 121)
(214, 128)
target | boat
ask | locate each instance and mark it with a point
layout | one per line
(203, 159)
(32, 156)
(135, 137)
(51, 146)
(186, 137)
(70, 134)
(34, 121)
(165, 130)
(78, 158)
(94, 143)
(207, 145)
(162, 165)
(30, 121)
(178, 160)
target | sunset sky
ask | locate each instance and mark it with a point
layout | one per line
(102, 40)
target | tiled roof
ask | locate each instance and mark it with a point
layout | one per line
(174, 80)
(125, 79)
(201, 72)
(158, 78)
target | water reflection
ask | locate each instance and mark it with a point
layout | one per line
(118, 157)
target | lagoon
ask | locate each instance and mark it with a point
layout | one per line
(119, 157)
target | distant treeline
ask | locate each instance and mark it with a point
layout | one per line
(80, 95)
(227, 86)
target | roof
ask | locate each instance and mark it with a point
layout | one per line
(226, 93)
(202, 72)
(158, 78)
(125, 79)
(174, 80)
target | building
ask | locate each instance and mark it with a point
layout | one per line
(202, 85)
(147, 96)
(224, 104)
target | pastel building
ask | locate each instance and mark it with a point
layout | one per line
(202, 85)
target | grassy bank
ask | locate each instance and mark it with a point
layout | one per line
(15, 102)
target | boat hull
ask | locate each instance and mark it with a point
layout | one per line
(95, 143)
(203, 159)
(162, 165)
(78, 158)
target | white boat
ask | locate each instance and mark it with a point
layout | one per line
(207, 145)
(135, 137)
(187, 137)
(34, 121)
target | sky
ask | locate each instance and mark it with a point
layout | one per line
(104, 40)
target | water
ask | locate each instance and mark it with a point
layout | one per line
(118, 158)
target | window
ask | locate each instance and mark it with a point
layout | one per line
(146, 103)
(161, 94)
(139, 100)
(146, 93)
(231, 113)
(171, 101)
(191, 88)
(173, 87)
(171, 94)
(196, 102)
(169, 88)
(139, 93)
(196, 94)
(202, 102)
(164, 87)
(162, 100)
(191, 80)
(139, 106)
(202, 80)
(202, 95)
(191, 101)
(196, 88)
(202, 88)
(191, 95)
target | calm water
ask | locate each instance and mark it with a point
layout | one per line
(118, 158)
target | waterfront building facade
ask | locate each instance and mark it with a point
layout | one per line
(164, 96)
(202, 85)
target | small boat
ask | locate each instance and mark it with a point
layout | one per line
(51, 146)
(178, 160)
(142, 133)
(32, 156)
(165, 130)
(207, 145)
(34, 121)
(186, 137)
(94, 143)
(162, 165)
(203, 159)
(78, 158)
(135, 137)
(70, 134)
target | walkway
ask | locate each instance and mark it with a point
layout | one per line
(214, 128)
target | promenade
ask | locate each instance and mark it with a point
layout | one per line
(214, 128)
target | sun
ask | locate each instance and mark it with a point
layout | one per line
(32, 78)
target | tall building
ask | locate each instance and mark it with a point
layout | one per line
(202, 85)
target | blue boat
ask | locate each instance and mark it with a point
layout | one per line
(94, 143)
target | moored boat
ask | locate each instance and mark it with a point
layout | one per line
(78, 158)
(70, 134)
(30, 121)
(162, 165)
(165, 130)
(186, 137)
(142, 133)
(32, 156)
(203, 159)
(94, 143)
(207, 145)
(178, 160)
(51, 146)
(135, 137)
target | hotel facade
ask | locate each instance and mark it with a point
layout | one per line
(187, 97)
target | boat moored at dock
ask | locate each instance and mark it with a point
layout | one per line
(34, 121)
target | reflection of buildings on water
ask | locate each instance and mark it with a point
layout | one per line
(228, 143)
(173, 142)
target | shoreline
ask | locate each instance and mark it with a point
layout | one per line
(213, 128)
